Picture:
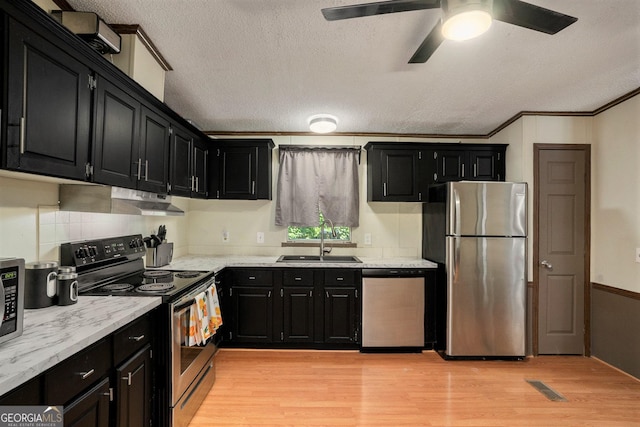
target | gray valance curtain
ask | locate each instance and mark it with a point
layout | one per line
(318, 179)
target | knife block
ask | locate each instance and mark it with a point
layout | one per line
(159, 256)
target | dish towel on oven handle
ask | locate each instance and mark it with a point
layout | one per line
(213, 304)
(202, 317)
(193, 335)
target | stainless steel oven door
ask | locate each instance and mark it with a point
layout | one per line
(186, 361)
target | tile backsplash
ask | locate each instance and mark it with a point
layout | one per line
(56, 227)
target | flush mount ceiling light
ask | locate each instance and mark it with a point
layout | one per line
(465, 19)
(322, 123)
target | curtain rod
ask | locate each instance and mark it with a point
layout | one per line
(319, 147)
(294, 147)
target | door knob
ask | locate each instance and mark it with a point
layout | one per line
(546, 264)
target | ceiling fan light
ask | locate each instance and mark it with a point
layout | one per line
(323, 123)
(466, 19)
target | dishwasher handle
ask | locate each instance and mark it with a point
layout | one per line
(397, 272)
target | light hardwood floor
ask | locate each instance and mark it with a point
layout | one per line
(332, 388)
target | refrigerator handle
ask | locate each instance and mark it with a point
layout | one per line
(455, 217)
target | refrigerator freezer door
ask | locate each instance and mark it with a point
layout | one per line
(486, 209)
(486, 290)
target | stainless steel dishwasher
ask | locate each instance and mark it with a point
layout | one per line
(392, 309)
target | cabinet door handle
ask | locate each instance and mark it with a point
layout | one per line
(139, 168)
(327, 292)
(463, 170)
(146, 170)
(384, 189)
(197, 182)
(193, 185)
(138, 338)
(110, 394)
(85, 375)
(128, 378)
(311, 294)
(269, 294)
(22, 134)
(475, 170)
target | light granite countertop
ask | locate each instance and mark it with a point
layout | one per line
(217, 263)
(54, 333)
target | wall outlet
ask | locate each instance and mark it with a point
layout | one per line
(260, 237)
(226, 236)
(367, 238)
(638, 255)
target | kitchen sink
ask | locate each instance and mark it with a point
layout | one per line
(316, 258)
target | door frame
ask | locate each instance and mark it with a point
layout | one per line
(586, 148)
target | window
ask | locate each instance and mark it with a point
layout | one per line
(298, 234)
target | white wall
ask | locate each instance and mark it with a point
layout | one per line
(615, 211)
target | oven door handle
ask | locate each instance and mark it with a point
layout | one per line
(181, 307)
(190, 298)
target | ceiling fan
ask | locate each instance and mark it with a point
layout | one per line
(479, 12)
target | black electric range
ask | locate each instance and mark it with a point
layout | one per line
(114, 266)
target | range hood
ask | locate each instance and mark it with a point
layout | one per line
(90, 27)
(104, 199)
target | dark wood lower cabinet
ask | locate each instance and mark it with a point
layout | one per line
(134, 390)
(91, 409)
(341, 315)
(252, 314)
(298, 314)
(293, 308)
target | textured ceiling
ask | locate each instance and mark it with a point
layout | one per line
(267, 65)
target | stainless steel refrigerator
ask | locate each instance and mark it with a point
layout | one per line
(477, 232)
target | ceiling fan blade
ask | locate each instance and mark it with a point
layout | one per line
(527, 15)
(429, 45)
(377, 8)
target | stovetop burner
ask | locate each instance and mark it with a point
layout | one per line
(155, 287)
(187, 274)
(118, 287)
(156, 274)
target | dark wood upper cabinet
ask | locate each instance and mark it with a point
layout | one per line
(402, 172)
(153, 156)
(199, 168)
(181, 162)
(188, 159)
(117, 128)
(242, 169)
(399, 175)
(488, 165)
(48, 107)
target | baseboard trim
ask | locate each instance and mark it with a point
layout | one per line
(615, 368)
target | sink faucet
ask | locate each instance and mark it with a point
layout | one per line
(333, 234)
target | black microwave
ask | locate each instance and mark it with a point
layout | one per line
(11, 298)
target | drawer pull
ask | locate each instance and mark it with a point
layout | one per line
(298, 279)
(87, 374)
(252, 277)
(138, 338)
(339, 279)
(128, 378)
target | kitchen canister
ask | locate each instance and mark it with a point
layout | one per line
(67, 288)
(40, 284)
